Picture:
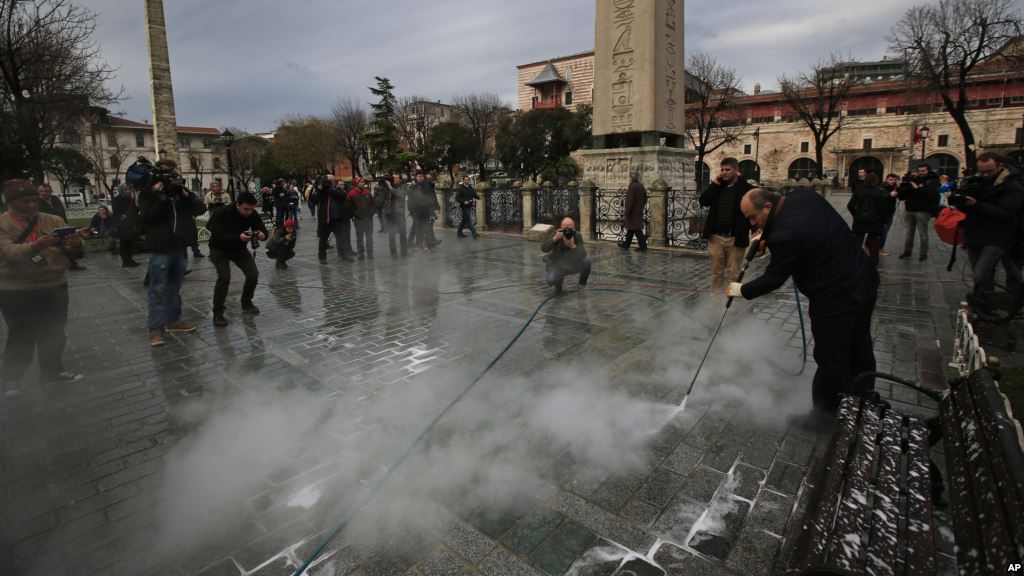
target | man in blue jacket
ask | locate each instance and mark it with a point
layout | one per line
(811, 242)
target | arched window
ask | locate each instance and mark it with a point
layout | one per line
(750, 170)
(703, 174)
(945, 164)
(803, 168)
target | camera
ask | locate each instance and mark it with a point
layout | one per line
(254, 239)
(143, 175)
(957, 200)
(568, 233)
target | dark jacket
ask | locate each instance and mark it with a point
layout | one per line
(169, 221)
(422, 200)
(867, 205)
(890, 203)
(53, 205)
(740, 226)
(281, 199)
(360, 203)
(279, 246)
(924, 198)
(561, 257)
(465, 194)
(226, 227)
(810, 241)
(993, 220)
(633, 208)
(394, 200)
(126, 217)
(327, 194)
(102, 227)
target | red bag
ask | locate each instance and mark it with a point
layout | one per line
(947, 226)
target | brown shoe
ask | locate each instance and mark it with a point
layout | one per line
(219, 320)
(156, 338)
(180, 326)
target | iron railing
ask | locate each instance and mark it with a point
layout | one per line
(505, 209)
(609, 206)
(684, 220)
(550, 205)
(454, 215)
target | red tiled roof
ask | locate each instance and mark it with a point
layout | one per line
(125, 123)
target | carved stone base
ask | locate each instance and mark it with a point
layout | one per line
(610, 168)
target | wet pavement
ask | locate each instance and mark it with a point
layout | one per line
(237, 450)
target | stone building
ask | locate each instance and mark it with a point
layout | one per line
(112, 144)
(885, 134)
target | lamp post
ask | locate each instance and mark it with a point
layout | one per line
(1020, 152)
(757, 150)
(228, 139)
(925, 130)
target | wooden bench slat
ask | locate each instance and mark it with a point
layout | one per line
(812, 544)
(966, 530)
(849, 537)
(1005, 455)
(920, 536)
(882, 545)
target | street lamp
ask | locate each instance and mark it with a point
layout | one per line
(757, 150)
(925, 131)
(228, 139)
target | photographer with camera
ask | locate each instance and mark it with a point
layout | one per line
(920, 195)
(992, 199)
(34, 255)
(281, 245)
(566, 256)
(232, 231)
(393, 196)
(332, 218)
(167, 212)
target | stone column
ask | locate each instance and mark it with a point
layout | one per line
(587, 191)
(657, 196)
(441, 189)
(528, 190)
(484, 190)
(165, 130)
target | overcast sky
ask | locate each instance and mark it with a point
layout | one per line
(249, 63)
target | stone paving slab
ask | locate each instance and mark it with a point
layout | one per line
(358, 357)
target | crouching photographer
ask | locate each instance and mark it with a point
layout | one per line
(991, 199)
(566, 256)
(232, 230)
(281, 246)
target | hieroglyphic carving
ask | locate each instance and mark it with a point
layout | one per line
(672, 57)
(623, 66)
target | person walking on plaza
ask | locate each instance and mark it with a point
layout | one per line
(231, 231)
(466, 197)
(332, 219)
(50, 204)
(725, 228)
(633, 214)
(867, 205)
(281, 244)
(216, 198)
(165, 214)
(810, 242)
(891, 202)
(423, 205)
(566, 256)
(33, 288)
(282, 203)
(307, 195)
(360, 205)
(920, 195)
(126, 222)
(394, 197)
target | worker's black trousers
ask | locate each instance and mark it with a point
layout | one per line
(842, 350)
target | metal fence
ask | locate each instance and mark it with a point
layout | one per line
(550, 205)
(454, 216)
(505, 209)
(609, 206)
(684, 220)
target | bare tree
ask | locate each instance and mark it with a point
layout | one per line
(196, 164)
(481, 113)
(944, 43)
(107, 162)
(818, 98)
(412, 126)
(305, 145)
(713, 117)
(349, 121)
(51, 72)
(246, 152)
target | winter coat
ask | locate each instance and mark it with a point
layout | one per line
(226, 227)
(993, 220)
(169, 221)
(740, 224)
(327, 195)
(53, 205)
(17, 270)
(465, 195)
(560, 257)
(126, 217)
(867, 205)
(422, 200)
(395, 200)
(279, 246)
(633, 210)
(924, 198)
(360, 203)
(810, 241)
(102, 226)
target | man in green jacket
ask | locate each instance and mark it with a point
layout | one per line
(566, 255)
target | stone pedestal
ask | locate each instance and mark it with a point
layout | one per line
(584, 226)
(484, 190)
(528, 191)
(609, 168)
(657, 198)
(442, 200)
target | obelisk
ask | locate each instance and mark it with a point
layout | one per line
(165, 132)
(639, 95)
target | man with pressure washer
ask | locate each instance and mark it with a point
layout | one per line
(811, 242)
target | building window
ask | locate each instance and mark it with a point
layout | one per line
(115, 163)
(568, 97)
(973, 103)
(112, 140)
(216, 164)
(746, 149)
(867, 143)
(184, 143)
(1016, 99)
(207, 143)
(72, 137)
(1020, 136)
(994, 102)
(943, 140)
(140, 140)
(805, 147)
(193, 163)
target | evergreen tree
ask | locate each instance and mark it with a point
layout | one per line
(382, 137)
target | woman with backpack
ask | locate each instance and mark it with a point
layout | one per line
(867, 205)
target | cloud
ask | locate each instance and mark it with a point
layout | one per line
(251, 63)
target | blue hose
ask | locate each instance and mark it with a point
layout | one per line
(365, 500)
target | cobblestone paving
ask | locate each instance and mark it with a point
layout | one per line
(235, 451)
